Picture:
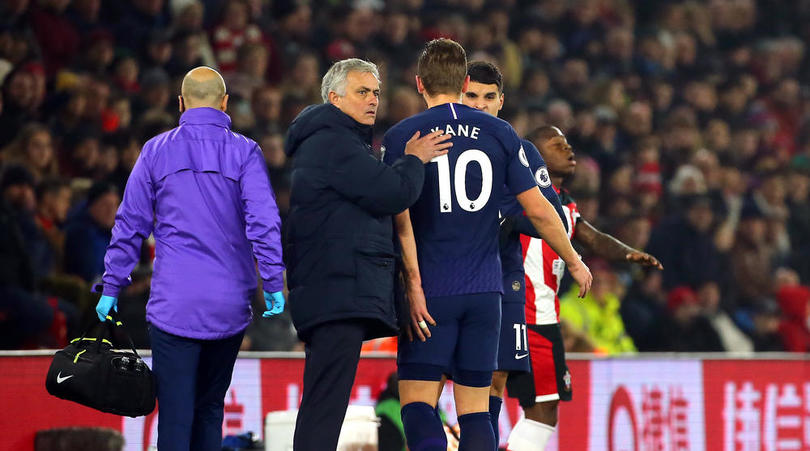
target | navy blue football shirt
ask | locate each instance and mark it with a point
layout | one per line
(511, 250)
(455, 220)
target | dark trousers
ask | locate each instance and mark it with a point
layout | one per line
(192, 377)
(333, 351)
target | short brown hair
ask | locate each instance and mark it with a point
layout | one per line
(442, 67)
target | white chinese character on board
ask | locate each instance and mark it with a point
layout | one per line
(782, 418)
(741, 417)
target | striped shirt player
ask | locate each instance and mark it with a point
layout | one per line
(540, 392)
(549, 379)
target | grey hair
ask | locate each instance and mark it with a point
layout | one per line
(335, 78)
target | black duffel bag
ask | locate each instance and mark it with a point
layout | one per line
(92, 371)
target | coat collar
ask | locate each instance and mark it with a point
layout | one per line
(364, 131)
(206, 115)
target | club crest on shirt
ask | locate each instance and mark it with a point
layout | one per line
(516, 286)
(542, 177)
(567, 380)
(522, 157)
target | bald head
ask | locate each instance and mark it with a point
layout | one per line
(203, 87)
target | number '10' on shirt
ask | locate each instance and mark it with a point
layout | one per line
(455, 220)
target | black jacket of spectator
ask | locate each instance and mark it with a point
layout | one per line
(696, 335)
(338, 245)
(15, 265)
(689, 256)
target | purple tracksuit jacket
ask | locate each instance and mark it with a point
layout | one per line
(203, 191)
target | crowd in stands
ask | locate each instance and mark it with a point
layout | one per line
(690, 121)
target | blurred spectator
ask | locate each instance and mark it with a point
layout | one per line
(303, 79)
(88, 232)
(798, 224)
(26, 317)
(685, 246)
(20, 103)
(597, 315)
(17, 190)
(53, 198)
(153, 100)
(642, 311)
(86, 17)
(81, 154)
(795, 325)
(732, 338)
(252, 61)
(192, 47)
(266, 105)
(687, 329)
(764, 326)
(134, 20)
(125, 74)
(751, 257)
(234, 31)
(158, 50)
(56, 35)
(33, 148)
(97, 53)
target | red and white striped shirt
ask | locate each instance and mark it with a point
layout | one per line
(544, 270)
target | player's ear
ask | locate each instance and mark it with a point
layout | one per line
(180, 104)
(420, 88)
(224, 105)
(500, 105)
(466, 84)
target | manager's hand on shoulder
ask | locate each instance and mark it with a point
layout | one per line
(429, 146)
(104, 305)
(274, 302)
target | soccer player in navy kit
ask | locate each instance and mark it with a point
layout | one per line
(449, 241)
(485, 93)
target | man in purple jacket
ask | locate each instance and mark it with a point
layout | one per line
(203, 191)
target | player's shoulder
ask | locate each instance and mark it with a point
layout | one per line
(396, 136)
(497, 125)
(528, 145)
(409, 124)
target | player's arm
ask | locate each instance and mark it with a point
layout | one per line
(545, 219)
(413, 280)
(608, 247)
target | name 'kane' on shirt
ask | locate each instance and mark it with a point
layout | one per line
(455, 220)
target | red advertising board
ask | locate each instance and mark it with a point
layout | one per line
(633, 404)
(27, 407)
(760, 406)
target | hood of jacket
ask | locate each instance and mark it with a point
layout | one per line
(315, 118)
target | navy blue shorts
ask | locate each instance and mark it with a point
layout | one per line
(465, 339)
(513, 348)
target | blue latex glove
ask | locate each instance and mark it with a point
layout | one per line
(104, 305)
(274, 303)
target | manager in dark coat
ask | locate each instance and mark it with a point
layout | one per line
(338, 244)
